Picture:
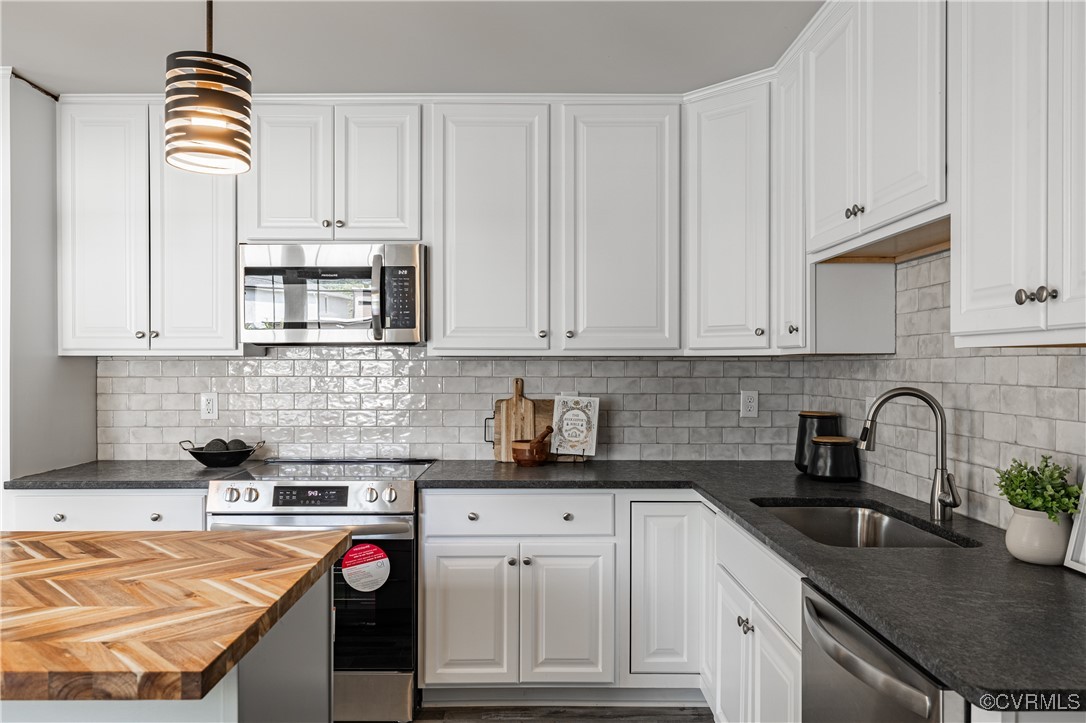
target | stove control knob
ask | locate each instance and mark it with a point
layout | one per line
(371, 495)
(251, 494)
(390, 495)
(231, 494)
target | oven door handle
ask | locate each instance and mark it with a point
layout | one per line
(380, 528)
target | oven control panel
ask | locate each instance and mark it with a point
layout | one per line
(310, 496)
(378, 496)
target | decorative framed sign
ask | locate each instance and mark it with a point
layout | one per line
(576, 421)
(1076, 548)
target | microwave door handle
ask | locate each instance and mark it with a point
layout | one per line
(375, 297)
(900, 692)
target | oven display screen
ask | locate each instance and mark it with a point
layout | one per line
(310, 496)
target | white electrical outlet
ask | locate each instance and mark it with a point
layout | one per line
(209, 405)
(748, 404)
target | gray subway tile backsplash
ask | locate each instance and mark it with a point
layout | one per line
(394, 401)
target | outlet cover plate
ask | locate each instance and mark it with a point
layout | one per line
(748, 404)
(209, 405)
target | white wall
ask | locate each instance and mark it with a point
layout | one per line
(51, 399)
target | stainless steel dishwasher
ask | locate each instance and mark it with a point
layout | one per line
(849, 674)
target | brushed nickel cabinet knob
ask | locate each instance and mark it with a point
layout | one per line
(567, 516)
(140, 334)
(340, 224)
(155, 517)
(527, 561)
(154, 334)
(326, 223)
(792, 328)
(512, 562)
(569, 334)
(1044, 294)
(473, 516)
(759, 331)
(59, 517)
(542, 333)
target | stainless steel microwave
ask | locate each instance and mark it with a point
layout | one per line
(332, 293)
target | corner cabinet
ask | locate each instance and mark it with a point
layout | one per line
(1018, 77)
(347, 172)
(617, 227)
(875, 117)
(726, 230)
(147, 253)
(490, 227)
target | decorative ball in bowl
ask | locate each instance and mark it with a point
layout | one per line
(220, 453)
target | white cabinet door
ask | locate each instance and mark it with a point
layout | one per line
(193, 255)
(618, 227)
(288, 192)
(377, 182)
(48, 510)
(789, 258)
(490, 227)
(902, 111)
(707, 615)
(733, 665)
(1067, 165)
(775, 672)
(471, 617)
(831, 67)
(998, 80)
(665, 582)
(102, 200)
(726, 235)
(567, 612)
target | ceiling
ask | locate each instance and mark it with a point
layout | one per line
(448, 46)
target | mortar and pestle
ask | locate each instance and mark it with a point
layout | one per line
(532, 452)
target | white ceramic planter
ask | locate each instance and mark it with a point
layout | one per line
(1032, 537)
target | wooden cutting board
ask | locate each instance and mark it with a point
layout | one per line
(514, 418)
(544, 415)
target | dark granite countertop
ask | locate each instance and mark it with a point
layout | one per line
(975, 618)
(122, 475)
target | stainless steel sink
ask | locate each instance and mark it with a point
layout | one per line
(856, 527)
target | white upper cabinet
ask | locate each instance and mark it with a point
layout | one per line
(833, 114)
(147, 252)
(875, 141)
(726, 231)
(377, 172)
(789, 260)
(344, 173)
(103, 228)
(287, 194)
(193, 255)
(1067, 165)
(1017, 76)
(490, 227)
(617, 226)
(902, 109)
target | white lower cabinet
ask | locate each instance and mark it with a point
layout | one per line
(665, 587)
(508, 612)
(758, 666)
(49, 510)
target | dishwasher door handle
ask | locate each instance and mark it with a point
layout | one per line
(901, 693)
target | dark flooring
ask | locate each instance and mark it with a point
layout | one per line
(551, 714)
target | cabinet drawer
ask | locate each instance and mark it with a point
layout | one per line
(772, 582)
(522, 515)
(95, 511)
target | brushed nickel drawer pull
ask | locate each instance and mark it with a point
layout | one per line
(473, 516)
(59, 517)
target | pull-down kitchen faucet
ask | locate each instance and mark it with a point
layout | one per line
(944, 495)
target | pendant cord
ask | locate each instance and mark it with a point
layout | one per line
(210, 25)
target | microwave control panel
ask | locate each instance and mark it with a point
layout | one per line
(399, 297)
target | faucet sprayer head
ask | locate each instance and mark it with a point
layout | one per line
(867, 435)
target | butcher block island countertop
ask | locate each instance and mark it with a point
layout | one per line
(144, 615)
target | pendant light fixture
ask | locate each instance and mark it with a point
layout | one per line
(209, 101)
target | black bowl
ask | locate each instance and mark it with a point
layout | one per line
(225, 458)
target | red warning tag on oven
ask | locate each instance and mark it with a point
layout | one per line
(365, 567)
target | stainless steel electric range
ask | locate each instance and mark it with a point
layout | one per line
(374, 584)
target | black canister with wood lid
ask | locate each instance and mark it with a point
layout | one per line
(834, 457)
(814, 424)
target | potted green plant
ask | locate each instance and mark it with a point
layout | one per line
(1043, 503)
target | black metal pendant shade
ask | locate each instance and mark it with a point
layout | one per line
(209, 101)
